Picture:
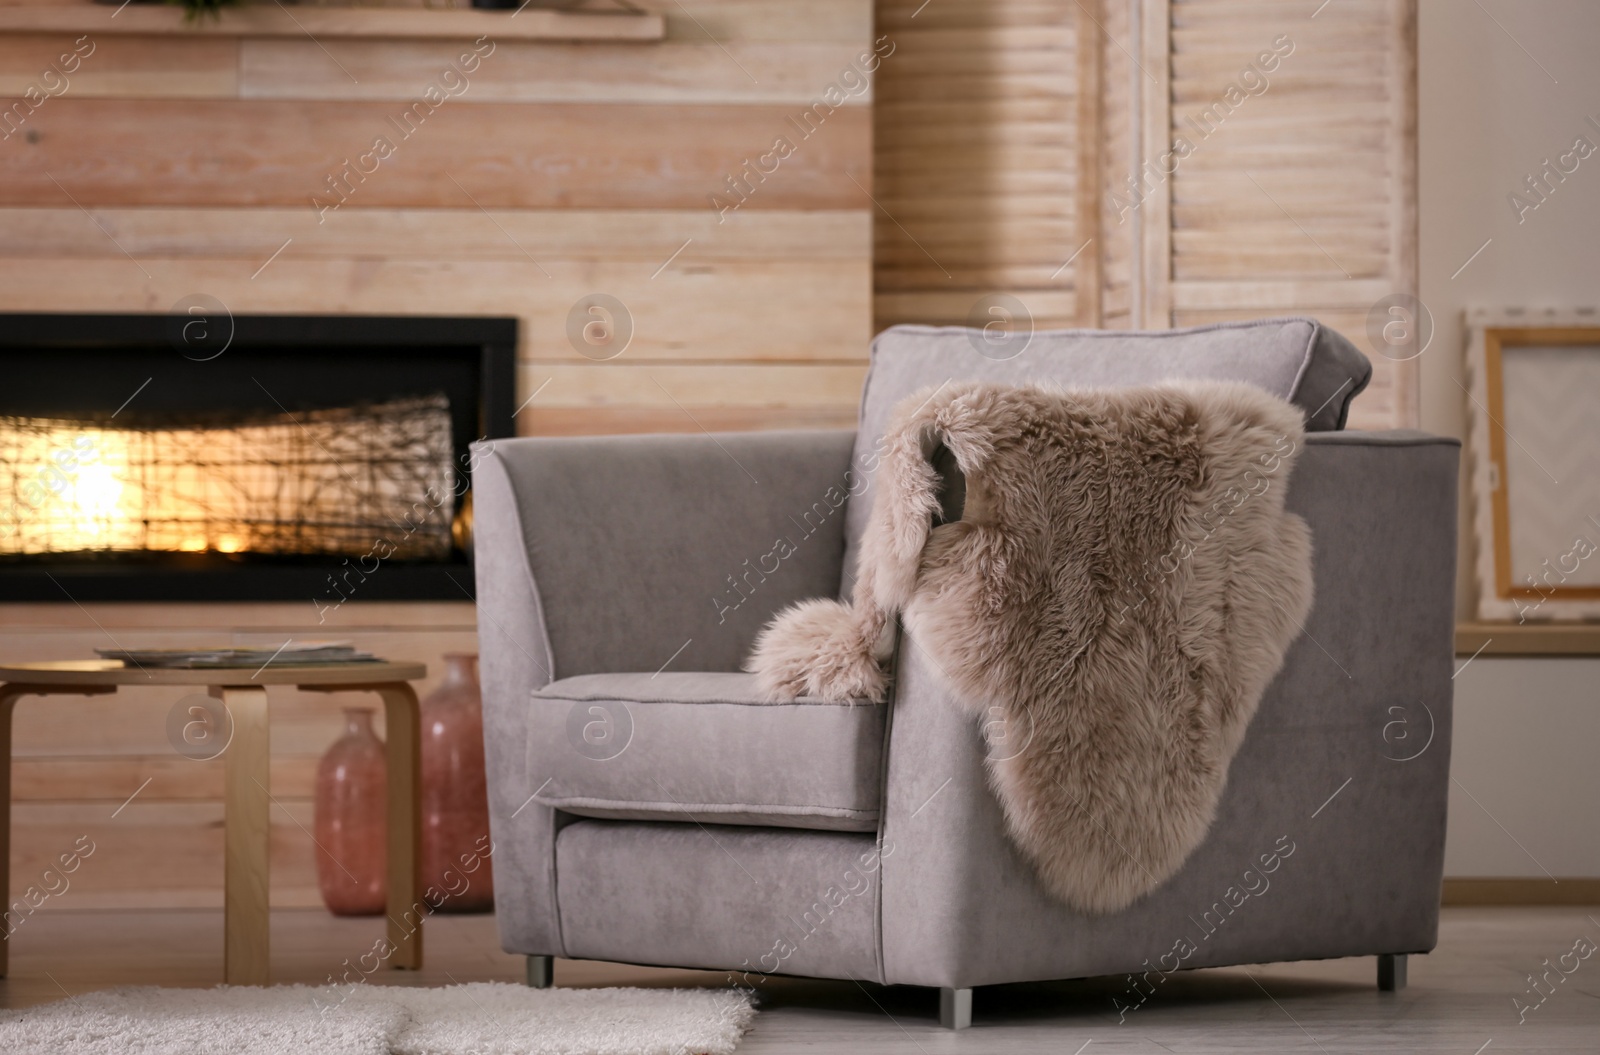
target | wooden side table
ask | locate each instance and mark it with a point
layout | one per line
(246, 798)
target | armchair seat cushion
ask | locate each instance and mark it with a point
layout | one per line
(704, 747)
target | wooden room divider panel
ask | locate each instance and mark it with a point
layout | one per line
(1197, 160)
(1299, 192)
(976, 121)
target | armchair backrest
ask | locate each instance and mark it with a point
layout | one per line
(1297, 359)
(619, 553)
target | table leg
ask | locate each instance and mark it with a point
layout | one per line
(8, 701)
(402, 722)
(247, 838)
(9, 695)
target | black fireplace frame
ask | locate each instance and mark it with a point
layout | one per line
(487, 344)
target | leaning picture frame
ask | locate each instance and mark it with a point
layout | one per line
(1534, 447)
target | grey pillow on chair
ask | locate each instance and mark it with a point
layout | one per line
(1298, 359)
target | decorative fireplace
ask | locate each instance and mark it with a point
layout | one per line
(202, 456)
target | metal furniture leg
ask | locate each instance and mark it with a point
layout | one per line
(955, 1008)
(1391, 972)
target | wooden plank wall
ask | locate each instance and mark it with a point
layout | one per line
(173, 166)
(560, 170)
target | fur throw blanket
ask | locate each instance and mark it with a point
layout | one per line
(1123, 582)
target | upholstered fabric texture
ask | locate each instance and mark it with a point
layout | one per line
(1122, 584)
(752, 901)
(628, 553)
(1321, 769)
(594, 555)
(704, 747)
(703, 536)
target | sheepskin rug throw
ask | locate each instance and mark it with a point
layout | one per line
(479, 1018)
(1123, 582)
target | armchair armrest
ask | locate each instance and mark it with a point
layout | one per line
(622, 553)
(1357, 722)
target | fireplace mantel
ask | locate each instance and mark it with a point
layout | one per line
(373, 23)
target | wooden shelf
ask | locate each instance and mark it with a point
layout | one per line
(1528, 639)
(266, 19)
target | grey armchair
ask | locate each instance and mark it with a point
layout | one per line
(647, 807)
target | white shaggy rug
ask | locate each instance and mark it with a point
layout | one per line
(481, 1018)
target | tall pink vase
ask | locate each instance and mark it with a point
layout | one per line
(456, 872)
(351, 820)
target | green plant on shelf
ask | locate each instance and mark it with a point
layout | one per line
(196, 11)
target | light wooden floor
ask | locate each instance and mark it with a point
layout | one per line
(1459, 999)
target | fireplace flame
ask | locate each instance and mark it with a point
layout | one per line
(330, 482)
(94, 495)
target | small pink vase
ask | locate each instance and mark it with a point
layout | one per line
(456, 873)
(351, 820)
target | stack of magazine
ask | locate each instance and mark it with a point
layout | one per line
(289, 654)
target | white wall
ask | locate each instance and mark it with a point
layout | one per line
(1494, 102)
(1526, 763)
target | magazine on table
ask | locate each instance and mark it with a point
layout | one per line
(292, 653)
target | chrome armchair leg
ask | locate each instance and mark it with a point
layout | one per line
(1391, 972)
(955, 1008)
(541, 972)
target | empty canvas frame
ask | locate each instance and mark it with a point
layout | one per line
(1535, 457)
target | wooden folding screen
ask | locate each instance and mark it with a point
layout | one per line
(1196, 160)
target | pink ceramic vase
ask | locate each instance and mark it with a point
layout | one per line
(456, 874)
(351, 820)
